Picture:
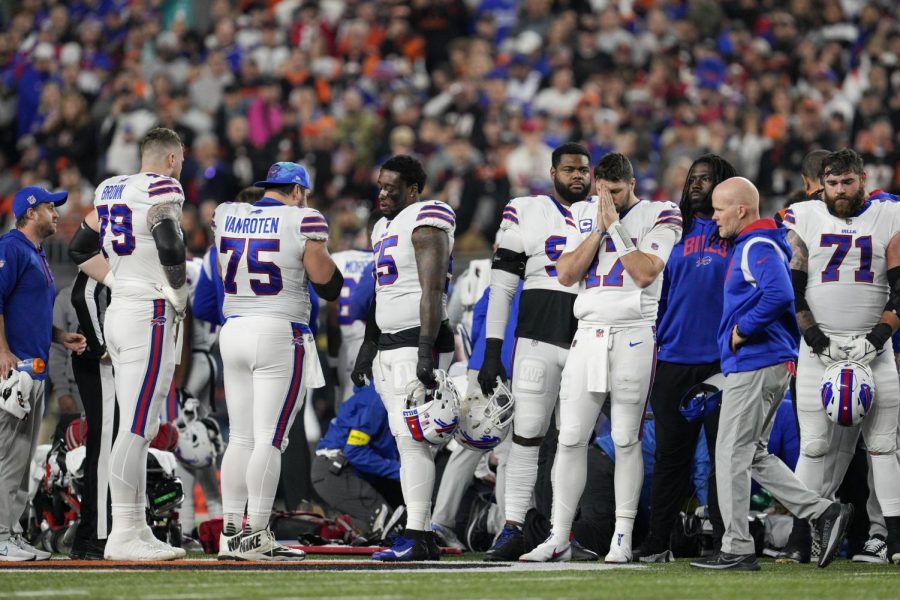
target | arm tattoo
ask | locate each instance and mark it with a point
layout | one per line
(176, 275)
(800, 257)
(160, 212)
(432, 250)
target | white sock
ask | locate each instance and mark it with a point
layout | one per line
(128, 480)
(521, 473)
(234, 482)
(629, 476)
(886, 473)
(417, 481)
(568, 485)
(263, 472)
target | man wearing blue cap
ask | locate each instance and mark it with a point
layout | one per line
(27, 291)
(267, 253)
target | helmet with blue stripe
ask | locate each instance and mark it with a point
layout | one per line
(485, 422)
(847, 392)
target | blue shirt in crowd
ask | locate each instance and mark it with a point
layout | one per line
(360, 430)
(27, 290)
(759, 298)
(479, 332)
(690, 304)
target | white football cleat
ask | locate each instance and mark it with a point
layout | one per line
(619, 549)
(229, 545)
(127, 545)
(550, 550)
(23, 544)
(147, 535)
(10, 552)
(261, 545)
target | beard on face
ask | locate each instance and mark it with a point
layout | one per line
(845, 206)
(568, 195)
(701, 203)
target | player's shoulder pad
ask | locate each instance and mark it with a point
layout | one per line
(313, 225)
(667, 214)
(435, 213)
(163, 189)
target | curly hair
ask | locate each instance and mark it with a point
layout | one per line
(409, 169)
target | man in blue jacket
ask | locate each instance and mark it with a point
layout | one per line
(687, 355)
(357, 466)
(758, 338)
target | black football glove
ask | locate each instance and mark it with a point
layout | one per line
(425, 366)
(816, 339)
(362, 370)
(491, 367)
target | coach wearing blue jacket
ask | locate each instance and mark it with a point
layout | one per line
(758, 338)
(357, 466)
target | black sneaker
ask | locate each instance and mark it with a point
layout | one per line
(87, 549)
(799, 544)
(582, 554)
(832, 525)
(434, 550)
(873, 551)
(509, 546)
(724, 560)
(403, 549)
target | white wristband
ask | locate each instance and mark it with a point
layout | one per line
(110, 280)
(621, 240)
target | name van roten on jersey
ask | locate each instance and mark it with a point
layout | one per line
(252, 225)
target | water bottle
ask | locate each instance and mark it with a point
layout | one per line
(32, 366)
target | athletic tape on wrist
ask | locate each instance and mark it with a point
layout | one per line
(621, 241)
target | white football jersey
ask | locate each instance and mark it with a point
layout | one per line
(122, 204)
(397, 289)
(847, 285)
(537, 226)
(608, 295)
(260, 252)
(203, 334)
(351, 264)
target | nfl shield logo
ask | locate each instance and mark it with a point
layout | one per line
(31, 200)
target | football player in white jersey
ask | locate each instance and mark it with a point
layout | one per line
(345, 334)
(407, 328)
(267, 253)
(532, 237)
(846, 261)
(616, 250)
(137, 218)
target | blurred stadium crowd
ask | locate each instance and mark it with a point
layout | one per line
(480, 90)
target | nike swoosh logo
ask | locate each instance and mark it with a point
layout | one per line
(633, 344)
(560, 553)
(762, 260)
(403, 554)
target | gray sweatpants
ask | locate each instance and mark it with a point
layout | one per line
(18, 439)
(749, 403)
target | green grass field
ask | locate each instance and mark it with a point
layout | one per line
(841, 580)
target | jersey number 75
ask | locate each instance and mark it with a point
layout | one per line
(236, 247)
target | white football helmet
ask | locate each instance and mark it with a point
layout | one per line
(196, 448)
(485, 422)
(432, 415)
(847, 392)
